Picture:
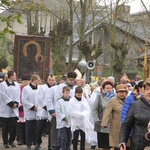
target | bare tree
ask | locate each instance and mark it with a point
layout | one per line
(89, 46)
(120, 36)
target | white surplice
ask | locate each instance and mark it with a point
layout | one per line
(9, 94)
(91, 101)
(79, 112)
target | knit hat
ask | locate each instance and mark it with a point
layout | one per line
(121, 87)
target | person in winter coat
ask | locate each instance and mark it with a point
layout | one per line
(100, 103)
(132, 98)
(137, 118)
(113, 110)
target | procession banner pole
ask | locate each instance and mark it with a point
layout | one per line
(145, 69)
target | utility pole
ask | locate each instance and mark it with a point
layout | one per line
(146, 67)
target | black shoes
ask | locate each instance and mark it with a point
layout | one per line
(28, 147)
(12, 145)
(19, 143)
(93, 147)
(6, 146)
(37, 147)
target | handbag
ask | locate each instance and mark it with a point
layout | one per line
(147, 135)
(147, 148)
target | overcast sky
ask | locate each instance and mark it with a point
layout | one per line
(137, 6)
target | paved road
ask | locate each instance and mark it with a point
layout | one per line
(23, 147)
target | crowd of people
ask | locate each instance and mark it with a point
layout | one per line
(105, 114)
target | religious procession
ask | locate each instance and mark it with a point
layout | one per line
(106, 115)
(74, 75)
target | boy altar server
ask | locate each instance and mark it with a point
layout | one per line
(62, 119)
(51, 97)
(79, 112)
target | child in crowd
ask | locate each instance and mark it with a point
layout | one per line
(79, 111)
(63, 125)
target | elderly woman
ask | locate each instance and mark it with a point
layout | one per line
(137, 118)
(98, 109)
(113, 111)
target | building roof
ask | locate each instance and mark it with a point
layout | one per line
(97, 20)
(135, 29)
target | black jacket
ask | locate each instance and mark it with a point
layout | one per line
(137, 118)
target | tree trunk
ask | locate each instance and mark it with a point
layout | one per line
(71, 37)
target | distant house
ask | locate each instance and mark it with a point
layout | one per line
(136, 26)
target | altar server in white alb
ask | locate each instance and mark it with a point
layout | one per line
(50, 102)
(30, 95)
(79, 112)
(9, 102)
(71, 76)
(42, 113)
(54, 94)
(63, 124)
